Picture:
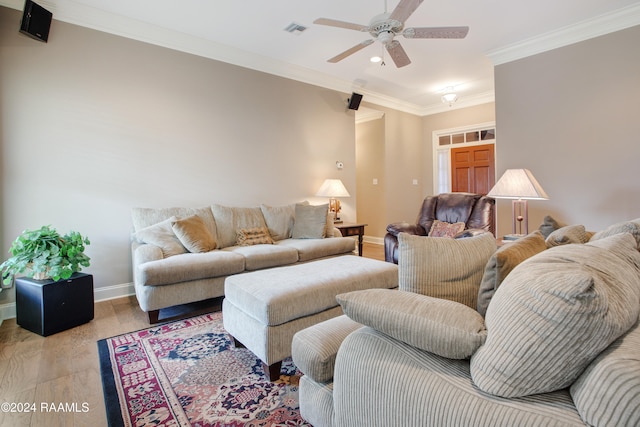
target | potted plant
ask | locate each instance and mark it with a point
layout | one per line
(44, 253)
(52, 295)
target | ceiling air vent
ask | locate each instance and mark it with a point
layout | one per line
(295, 28)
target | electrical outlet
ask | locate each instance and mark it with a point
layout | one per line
(415, 182)
(375, 181)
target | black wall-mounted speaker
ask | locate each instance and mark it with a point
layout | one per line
(354, 101)
(36, 21)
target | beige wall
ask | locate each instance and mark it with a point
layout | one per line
(571, 116)
(92, 125)
(370, 165)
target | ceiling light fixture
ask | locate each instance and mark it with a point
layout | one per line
(450, 96)
(375, 59)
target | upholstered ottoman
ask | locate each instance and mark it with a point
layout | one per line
(262, 310)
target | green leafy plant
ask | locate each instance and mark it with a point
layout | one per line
(45, 253)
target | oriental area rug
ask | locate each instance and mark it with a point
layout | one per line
(188, 373)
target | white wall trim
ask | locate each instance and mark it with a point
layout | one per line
(94, 18)
(604, 24)
(8, 311)
(373, 240)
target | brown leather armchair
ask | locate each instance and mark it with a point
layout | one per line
(475, 210)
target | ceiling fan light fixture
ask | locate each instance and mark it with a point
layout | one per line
(375, 59)
(449, 97)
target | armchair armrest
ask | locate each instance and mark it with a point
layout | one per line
(404, 227)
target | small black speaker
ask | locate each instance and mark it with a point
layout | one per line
(354, 101)
(36, 21)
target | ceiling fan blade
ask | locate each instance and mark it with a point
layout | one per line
(436, 32)
(340, 24)
(351, 51)
(404, 9)
(398, 54)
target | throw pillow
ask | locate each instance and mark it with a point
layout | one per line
(310, 221)
(253, 236)
(162, 235)
(503, 261)
(566, 235)
(193, 234)
(442, 327)
(229, 219)
(445, 229)
(549, 225)
(608, 391)
(444, 268)
(632, 227)
(554, 313)
(279, 220)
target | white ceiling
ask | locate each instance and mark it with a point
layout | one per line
(251, 33)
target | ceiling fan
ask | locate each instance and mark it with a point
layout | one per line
(386, 26)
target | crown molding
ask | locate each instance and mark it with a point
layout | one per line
(604, 24)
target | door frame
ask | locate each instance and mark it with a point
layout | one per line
(446, 149)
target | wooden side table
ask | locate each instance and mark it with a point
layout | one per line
(350, 229)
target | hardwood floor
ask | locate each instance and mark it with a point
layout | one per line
(64, 369)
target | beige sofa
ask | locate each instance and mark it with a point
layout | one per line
(182, 255)
(559, 344)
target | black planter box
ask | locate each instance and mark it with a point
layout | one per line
(47, 307)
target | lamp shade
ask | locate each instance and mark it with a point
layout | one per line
(332, 188)
(518, 184)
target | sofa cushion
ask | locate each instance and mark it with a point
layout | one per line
(186, 267)
(445, 229)
(230, 219)
(608, 391)
(279, 220)
(162, 235)
(566, 235)
(258, 257)
(310, 221)
(505, 259)
(554, 313)
(444, 268)
(310, 249)
(193, 234)
(253, 236)
(442, 327)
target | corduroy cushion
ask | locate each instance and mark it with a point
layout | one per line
(279, 220)
(566, 235)
(162, 235)
(608, 391)
(632, 227)
(230, 219)
(444, 268)
(554, 313)
(310, 221)
(503, 261)
(442, 327)
(193, 234)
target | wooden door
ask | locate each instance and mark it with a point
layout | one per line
(473, 169)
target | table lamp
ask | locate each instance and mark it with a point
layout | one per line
(519, 185)
(333, 188)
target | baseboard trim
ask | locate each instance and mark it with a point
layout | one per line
(8, 311)
(373, 240)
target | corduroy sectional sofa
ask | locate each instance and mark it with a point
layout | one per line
(182, 255)
(542, 332)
